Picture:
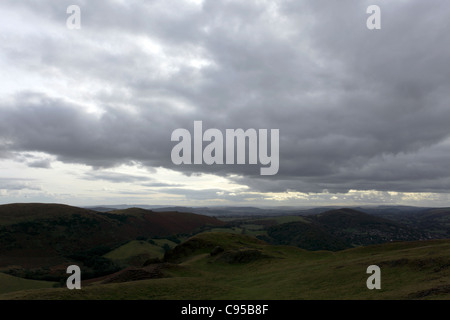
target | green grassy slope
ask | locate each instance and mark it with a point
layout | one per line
(134, 248)
(10, 283)
(250, 269)
(137, 252)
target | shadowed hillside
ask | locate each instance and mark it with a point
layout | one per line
(42, 235)
(141, 254)
(436, 221)
(341, 229)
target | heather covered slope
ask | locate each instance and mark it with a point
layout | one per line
(41, 235)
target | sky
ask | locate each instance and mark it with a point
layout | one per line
(87, 114)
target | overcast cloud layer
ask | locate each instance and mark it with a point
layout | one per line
(357, 109)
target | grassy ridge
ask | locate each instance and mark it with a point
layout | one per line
(409, 270)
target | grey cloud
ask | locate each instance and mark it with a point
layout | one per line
(115, 177)
(160, 184)
(44, 164)
(119, 177)
(207, 194)
(33, 161)
(356, 109)
(18, 184)
(35, 122)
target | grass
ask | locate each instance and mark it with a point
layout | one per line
(235, 230)
(139, 251)
(162, 242)
(409, 270)
(134, 248)
(10, 283)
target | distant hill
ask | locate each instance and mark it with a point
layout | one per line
(340, 229)
(309, 236)
(23, 212)
(392, 212)
(101, 209)
(34, 234)
(435, 221)
(165, 223)
(224, 211)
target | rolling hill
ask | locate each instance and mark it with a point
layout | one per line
(249, 269)
(309, 236)
(128, 254)
(435, 221)
(42, 235)
(340, 229)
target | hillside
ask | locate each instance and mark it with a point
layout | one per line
(435, 221)
(161, 223)
(46, 235)
(24, 212)
(136, 253)
(340, 229)
(230, 266)
(10, 283)
(309, 236)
